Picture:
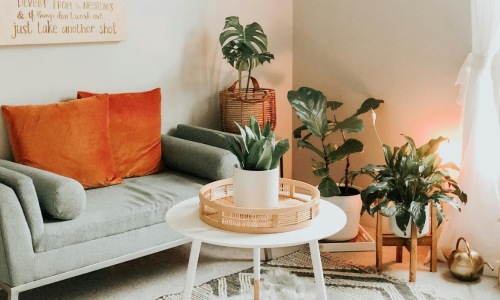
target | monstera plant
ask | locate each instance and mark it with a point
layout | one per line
(311, 106)
(244, 48)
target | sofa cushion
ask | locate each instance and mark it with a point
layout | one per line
(67, 138)
(198, 159)
(135, 130)
(203, 135)
(138, 202)
(25, 191)
(59, 197)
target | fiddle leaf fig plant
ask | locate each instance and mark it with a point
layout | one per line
(257, 150)
(244, 48)
(311, 106)
(410, 179)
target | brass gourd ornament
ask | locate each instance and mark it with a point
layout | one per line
(466, 264)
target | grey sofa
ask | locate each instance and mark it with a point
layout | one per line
(116, 224)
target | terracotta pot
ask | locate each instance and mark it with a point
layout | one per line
(256, 189)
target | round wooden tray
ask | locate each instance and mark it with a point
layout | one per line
(298, 205)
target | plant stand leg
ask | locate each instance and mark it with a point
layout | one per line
(413, 253)
(399, 254)
(378, 243)
(434, 238)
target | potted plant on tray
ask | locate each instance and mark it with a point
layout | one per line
(410, 180)
(245, 48)
(311, 107)
(256, 178)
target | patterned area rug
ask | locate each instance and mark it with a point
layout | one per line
(291, 277)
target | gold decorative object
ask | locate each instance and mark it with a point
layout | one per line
(298, 205)
(466, 264)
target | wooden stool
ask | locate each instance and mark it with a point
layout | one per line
(409, 243)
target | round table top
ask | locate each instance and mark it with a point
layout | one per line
(184, 219)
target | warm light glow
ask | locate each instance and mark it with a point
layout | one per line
(451, 151)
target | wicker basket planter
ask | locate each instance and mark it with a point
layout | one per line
(298, 205)
(237, 106)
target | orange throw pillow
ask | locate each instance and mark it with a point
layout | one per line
(67, 138)
(135, 132)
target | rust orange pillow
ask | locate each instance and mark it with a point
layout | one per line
(135, 132)
(67, 138)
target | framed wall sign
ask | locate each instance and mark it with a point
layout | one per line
(25, 22)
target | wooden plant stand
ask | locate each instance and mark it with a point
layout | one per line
(409, 243)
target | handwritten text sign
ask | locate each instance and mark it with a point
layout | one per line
(61, 21)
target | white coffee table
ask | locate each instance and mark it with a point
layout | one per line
(184, 219)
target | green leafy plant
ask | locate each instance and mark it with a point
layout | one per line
(244, 48)
(410, 179)
(311, 107)
(257, 150)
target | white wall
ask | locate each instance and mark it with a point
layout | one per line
(403, 51)
(170, 44)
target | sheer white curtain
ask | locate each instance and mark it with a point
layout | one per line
(480, 170)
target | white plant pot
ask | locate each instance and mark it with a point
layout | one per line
(256, 189)
(398, 232)
(351, 205)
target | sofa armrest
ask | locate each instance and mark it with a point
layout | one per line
(197, 159)
(16, 250)
(60, 197)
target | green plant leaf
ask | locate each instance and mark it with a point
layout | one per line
(234, 145)
(297, 133)
(367, 105)
(328, 187)
(387, 155)
(402, 219)
(281, 148)
(254, 154)
(244, 48)
(374, 192)
(305, 144)
(417, 210)
(267, 129)
(351, 124)
(349, 147)
(266, 157)
(319, 169)
(333, 105)
(254, 125)
(310, 106)
(440, 196)
(430, 147)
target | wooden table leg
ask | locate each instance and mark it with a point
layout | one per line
(191, 271)
(318, 270)
(256, 273)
